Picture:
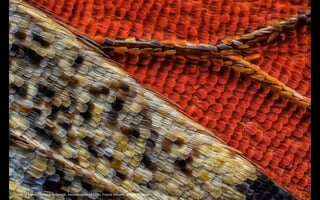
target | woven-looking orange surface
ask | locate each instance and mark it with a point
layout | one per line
(265, 126)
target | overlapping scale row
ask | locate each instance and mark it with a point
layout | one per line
(288, 59)
(79, 124)
(206, 21)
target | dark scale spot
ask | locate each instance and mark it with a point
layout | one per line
(45, 91)
(117, 105)
(148, 163)
(14, 47)
(184, 165)
(79, 60)
(87, 114)
(124, 87)
(154, 135)
(64, 109)
(54, 111)
(40, 131)
(42, 88)
(88, 140)
(34, 57)
(243, 188)
(38, 111)
(93, 151)
(135, 133)
(179, 141)
(150, 143)
(99, 90)
(49, 93)
(180, 163)
(127, 131)
(39, 39)
(166, 145)
(65, 125)
(86, 186)
(20, 35)
(21, 91)
(52, 186)
(121, 176)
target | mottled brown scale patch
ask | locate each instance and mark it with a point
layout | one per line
(135, 133)
(39, 39)
(115, 163)
(129, 132)
(34, 57)
(21, 91)
(25, 110)
(79, 60)
(64, 78)
(123, 86)
(88, 140)
(154, 135)
(166, 145)
(20, 35)
(184, 165)
(148, 163)
(97, 90)
(45, 90)
(65, 125)
(117, 105)
(115, 85)
(151, 141)
(121, 176)
(179, 141)
(73, 81)
(87, 114)
(195, 152)
(125, 130)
